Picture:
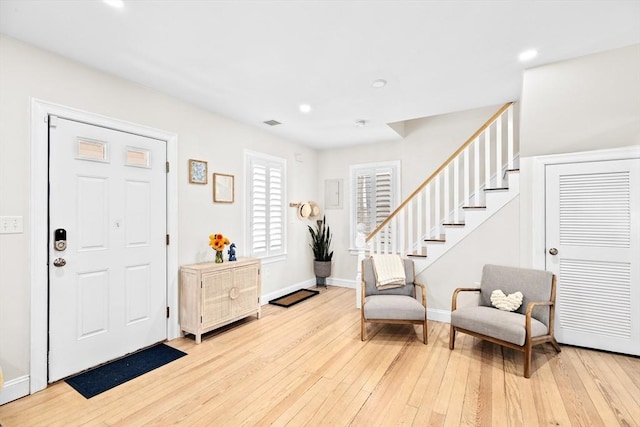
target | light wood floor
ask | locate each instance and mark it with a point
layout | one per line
(306, 365)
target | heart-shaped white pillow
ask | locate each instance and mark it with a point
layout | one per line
(504, 302)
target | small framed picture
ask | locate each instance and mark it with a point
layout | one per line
(197, 171)
(222, 188)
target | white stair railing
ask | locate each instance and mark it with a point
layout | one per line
(459, 182)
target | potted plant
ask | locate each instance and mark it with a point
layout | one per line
(322, 253)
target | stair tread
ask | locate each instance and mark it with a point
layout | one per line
(474, 207)
(497, 189)
(453, 224)
(417, 255)
(508, 171)
(436, 239)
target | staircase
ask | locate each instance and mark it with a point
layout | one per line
(474, 183)
(473, 216)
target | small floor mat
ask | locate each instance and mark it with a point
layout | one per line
(294, 297)
(112, 374)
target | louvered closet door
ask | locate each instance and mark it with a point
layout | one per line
(593, 221)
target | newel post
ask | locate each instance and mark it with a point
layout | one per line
(361, 244)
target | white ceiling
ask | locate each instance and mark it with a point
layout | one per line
(258, 60)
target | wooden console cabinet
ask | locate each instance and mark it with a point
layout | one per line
(214, 295)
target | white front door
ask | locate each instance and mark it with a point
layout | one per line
(593, 246)
(107, 288)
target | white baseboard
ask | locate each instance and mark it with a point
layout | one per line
(343, 283)
(14, 389)
(443, 316)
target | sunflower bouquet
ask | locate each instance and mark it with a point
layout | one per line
(218, 242)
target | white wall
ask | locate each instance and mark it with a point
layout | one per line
(27, 72)
(582, 104)
(495, 241)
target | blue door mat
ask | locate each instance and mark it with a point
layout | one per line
(112, 374)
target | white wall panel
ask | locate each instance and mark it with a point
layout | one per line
(92, 303)
(137, 211)
(137, 286)
(93, 213)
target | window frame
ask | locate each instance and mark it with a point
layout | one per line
(354, 170)
(250, 158)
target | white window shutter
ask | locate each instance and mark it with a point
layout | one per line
(384, 200)
(276, 210)
(258, 209)
(266, 205)
(375, 196)
(365, 202)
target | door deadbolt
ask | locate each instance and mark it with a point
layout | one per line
(60, 239)
(553, 251)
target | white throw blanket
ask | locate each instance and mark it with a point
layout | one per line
(389, 271)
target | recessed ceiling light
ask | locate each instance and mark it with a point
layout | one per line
(527, 55)
(119, 4)
(304, 108)
(378, 83)
(361, 123)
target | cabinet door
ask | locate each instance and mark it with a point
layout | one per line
(245, 295)
(216, 287)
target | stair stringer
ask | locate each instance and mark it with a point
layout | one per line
(495, 200)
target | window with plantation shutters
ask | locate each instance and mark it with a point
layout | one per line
(266, 206)
(375, 191)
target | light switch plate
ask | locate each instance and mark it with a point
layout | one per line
(11, 224)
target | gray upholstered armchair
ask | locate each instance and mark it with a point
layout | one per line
(529, 325)
(398, 305)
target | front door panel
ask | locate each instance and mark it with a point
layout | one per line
(107, 286)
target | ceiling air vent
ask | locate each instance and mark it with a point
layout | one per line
(272, 123)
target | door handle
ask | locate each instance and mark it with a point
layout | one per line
(553, 251)
(59, 262)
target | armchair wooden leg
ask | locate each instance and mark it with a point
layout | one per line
(425, 335)
(527, 360)
(555, 345)
(452, 337)
(363, 330)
